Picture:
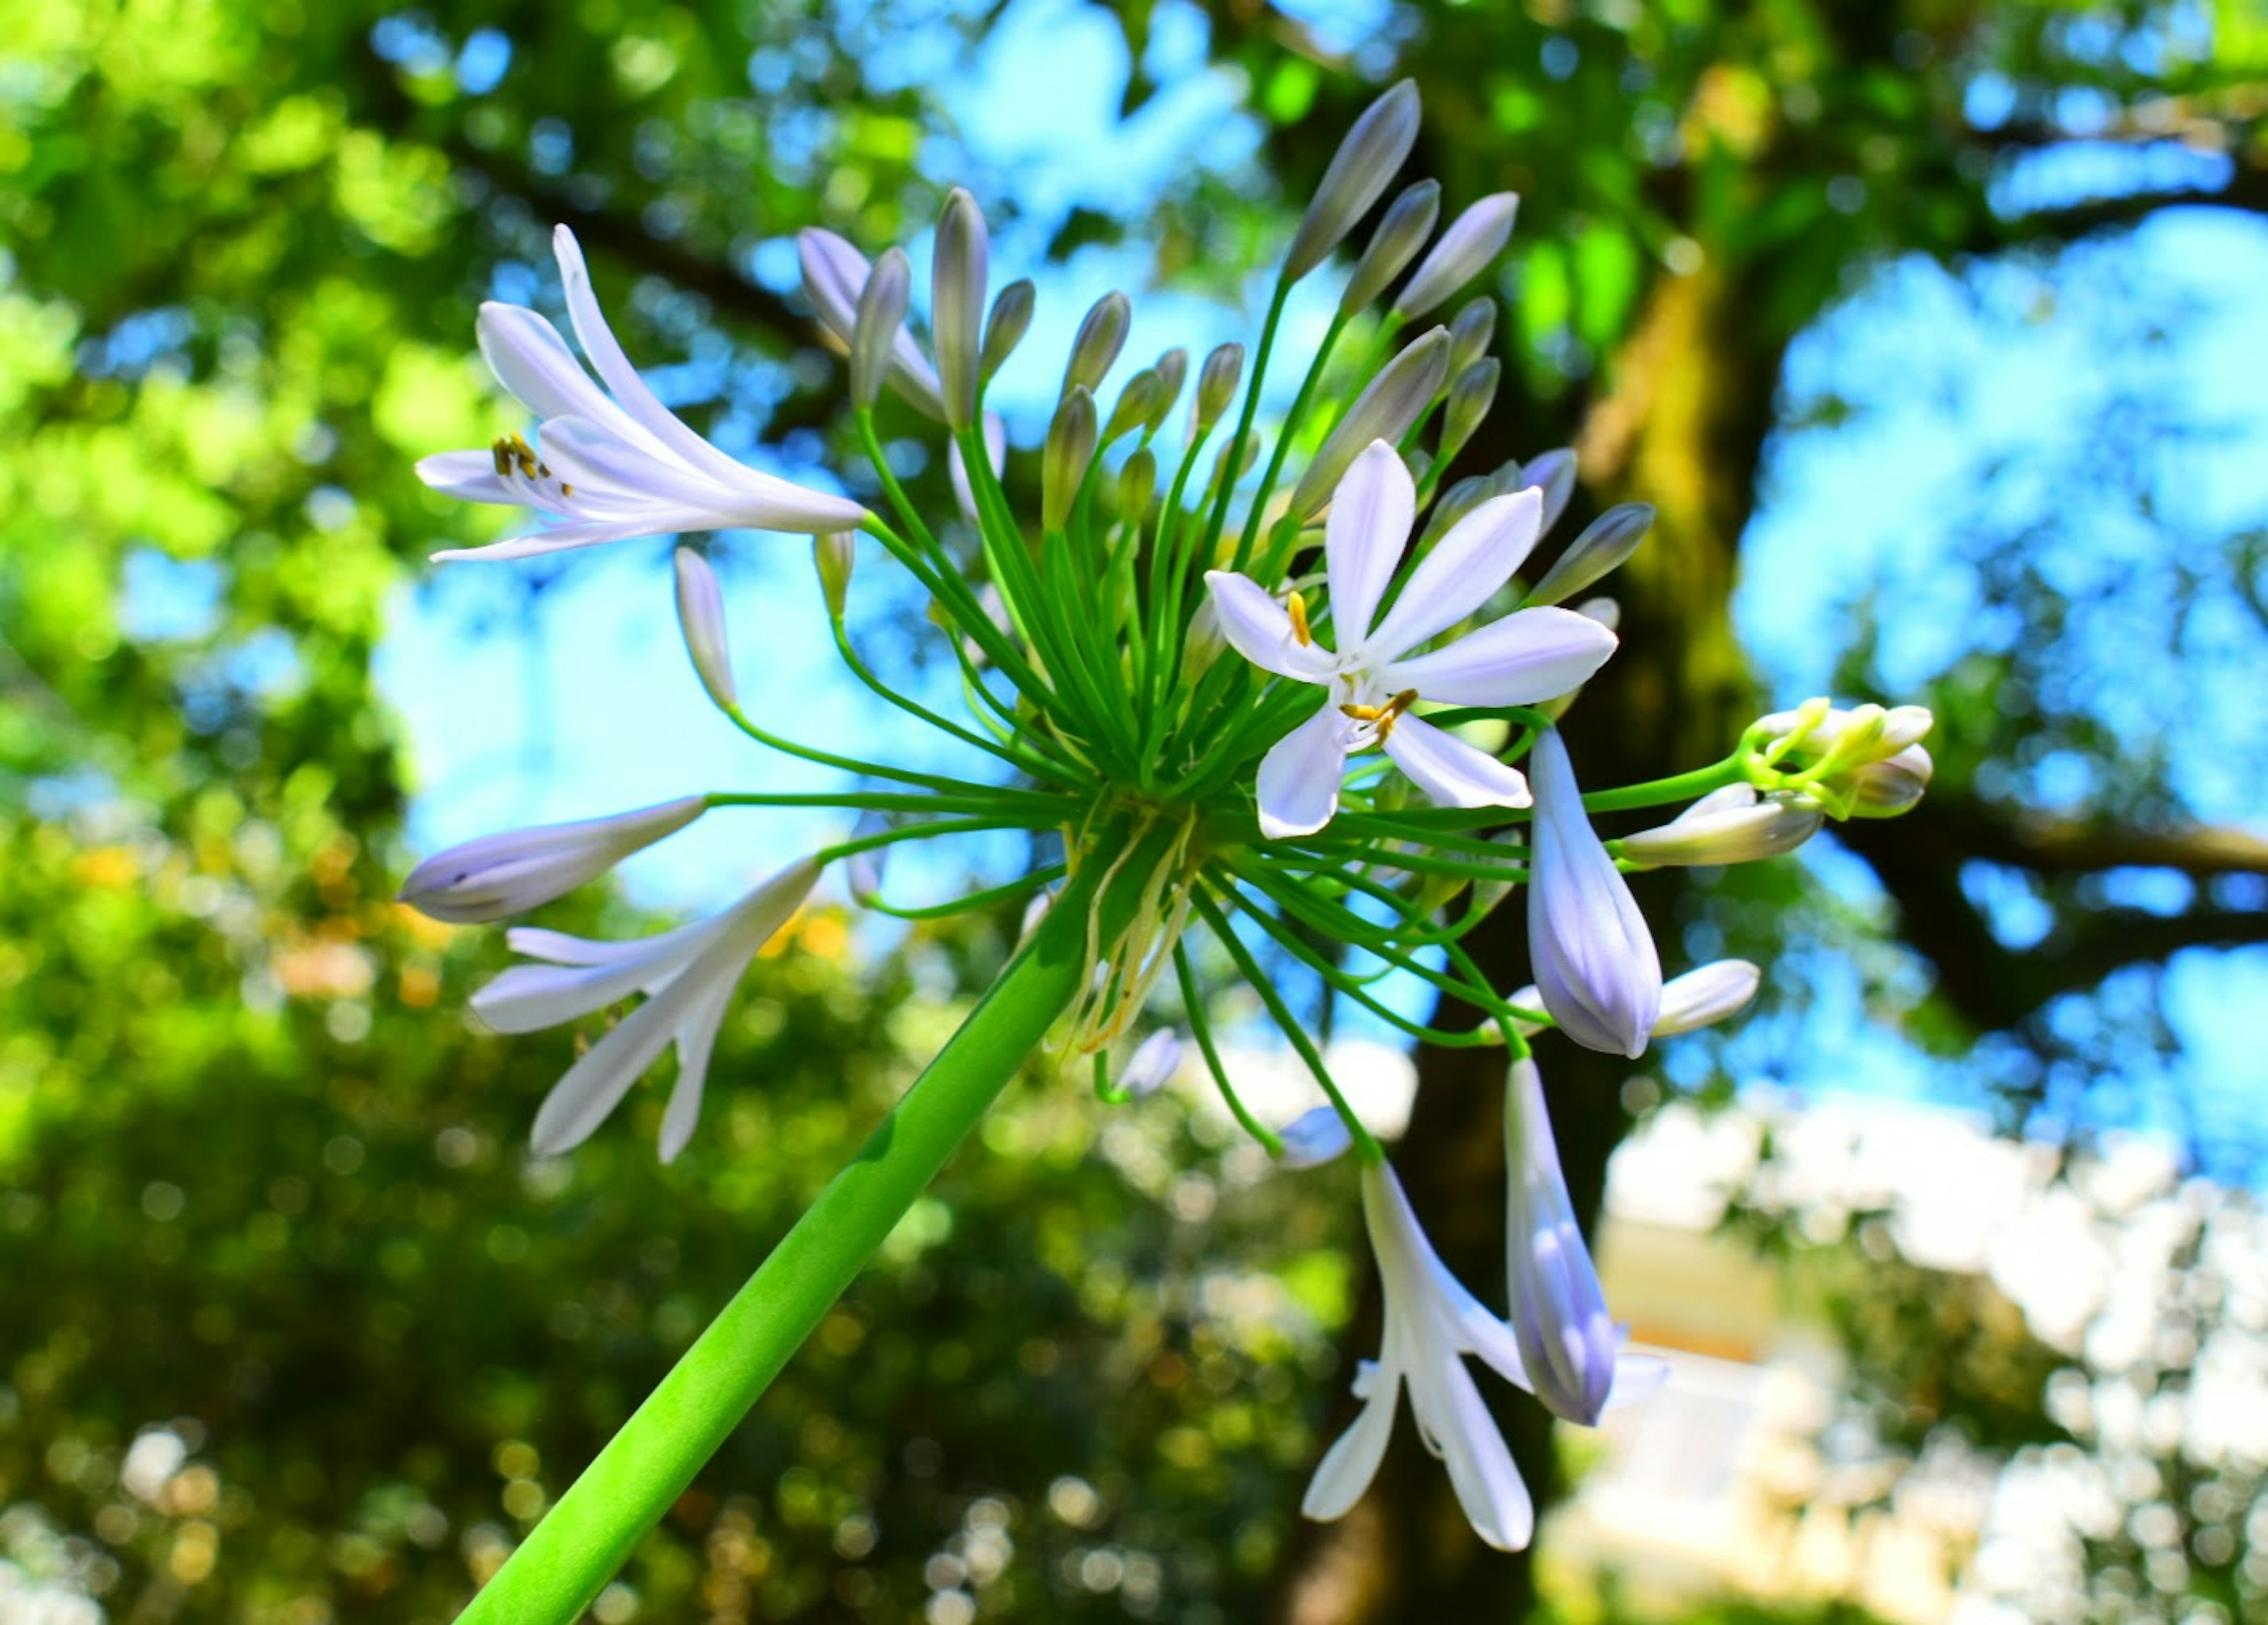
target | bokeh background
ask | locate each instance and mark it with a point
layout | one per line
(1934, 330)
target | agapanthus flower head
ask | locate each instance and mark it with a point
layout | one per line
(1372, 680)
(607, 463)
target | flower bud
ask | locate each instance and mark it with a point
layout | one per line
(1470, 397)
(1886, 788)
(1151, 1067)
(1221, 471)
(1567, 1340)
(956, 467)
(1470, 333)
(1063, 463)
(1173, 370)
(1402, 231)
(958, 270)
(701, 615)
(1313, 1138)
(1100, 337)
(499, 876)
(1138, 405)
(834, 276)
(1397, 398)
(1137, 483)
(1453, 505)
(834, 554)
(1359, 170)
(1004, 331)
(1705, 996)
(1602, 609)
(1730, 826)
(1605, 543)
(1554, 472)
(1473, 239)
(881, 314)
(1595, 958)
(1217, 382)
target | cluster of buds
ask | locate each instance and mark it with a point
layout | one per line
(1388, 637)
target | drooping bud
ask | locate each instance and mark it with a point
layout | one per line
(1101, 336)
(1138, 405)
(1359, 172)
(1473, 239)
(1397, 398)
(1594, 956)
(701, 615)
(1152, 1065)
(1402, 231)
(881, 314)
(1217, 382)
(1567, 1339)
(959, 270)
(1605, 543)
(1705, 996)
(1892, 786)
(1470, 397)
(1313, 1138)
(834, 555)
(956, 467)
(1728, 825)
(1004, 328)
(834, 276)
(1063, 462)
(1554, 473)
(1172, 371)
(1137, 483)
(1471, 333)
(498, 876)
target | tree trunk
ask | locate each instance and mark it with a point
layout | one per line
(1683, 428)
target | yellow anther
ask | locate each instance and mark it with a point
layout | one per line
(1391, 711)
(1362, 713)
(501, 451)
(1296, 607)
(565, 490)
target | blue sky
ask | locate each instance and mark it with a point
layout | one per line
(1964, 401)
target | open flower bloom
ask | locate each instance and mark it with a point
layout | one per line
(609, 463)
(498, 876)
(1373, 679)
(687, 976)
(1595, 964)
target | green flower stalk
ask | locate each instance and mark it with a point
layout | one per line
(1299, 751)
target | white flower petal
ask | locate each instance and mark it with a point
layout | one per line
(696, 1039)
(1705, 996)
(1372, 511)
(469, 476)
(1637, 1377)
(1298, 779)
(1465, 567)
(1457, 1425)
(532, 360)
(595, 1084)
(1594, 959)
(1351, 1462)
(1260, 630)
(1450, 770)
(1529, 655)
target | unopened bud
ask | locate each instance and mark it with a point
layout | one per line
(1151, 1067)
(1221, 471)
(1473, 239)
(1100, 337)
(1137, 483)
(1471, 333)
(1605, 543)
(834, 276)
(498, 876)
(956, 467)
(1453, 505)
(1173, 370)
(1705, 996)
(1554, 473)
(1602, 609)
(1886, 788)
(1004, 328)
(1397, 398)
(881, 315)
(1728, 825)
(701, 615)
(1359, 170)
(834, 555)
(1315, 1138)
(1063, 462)
(1470, 397)
(959, 270)
(1138, 405)
(1402, 231)
(1217, 382)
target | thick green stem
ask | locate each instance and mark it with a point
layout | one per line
(588, 1535)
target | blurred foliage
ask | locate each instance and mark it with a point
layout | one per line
(260, 1193)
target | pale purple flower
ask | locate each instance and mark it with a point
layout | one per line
(1732, 825)
(609, 463)
(1151, 1066)
(499, 876)
(1316, 1136)
(687, 976)
(1594, 960)
(1373, 679)
(1567, 1341)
